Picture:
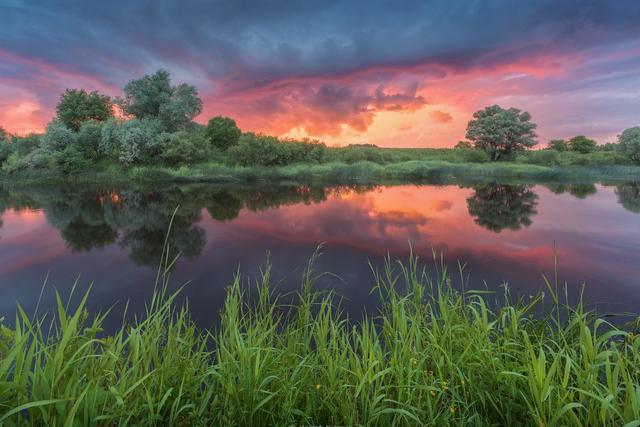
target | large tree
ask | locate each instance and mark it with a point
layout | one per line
(77, 106)
(501, 132)
(222, 132)
(629, 141)
(153, 96)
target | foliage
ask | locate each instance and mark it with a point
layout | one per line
(78, 106)
(501, 132)
(629, 196)
(23, 145)
(5, 146)
(629, 141)
(138, 141)
(57, 136)
(153, 97)
(262, 150)
(222, 132)
(183, 148)
(273, 363)
(558, 145)
(497, 207)
(582, 144)
(88, 140)
(70, 161)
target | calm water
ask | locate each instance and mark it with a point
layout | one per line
(504, 233)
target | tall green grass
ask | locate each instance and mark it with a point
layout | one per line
(432, 355)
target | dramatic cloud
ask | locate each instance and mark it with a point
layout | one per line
(343, 70)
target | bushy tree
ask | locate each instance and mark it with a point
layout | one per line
(153, 96)
(58, 136)
(501, 132)
(109, 146)
(222, 132)
(263, 150)
(89, 138)
(183, 148)
(629, 141)
(138, 141)
(70, 161)
(23, 145)
(582, 144)
(77, 106)
(557, 145)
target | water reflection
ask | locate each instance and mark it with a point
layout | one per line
(629, 196)
(137, 219)
(504, 233)
(496, 206)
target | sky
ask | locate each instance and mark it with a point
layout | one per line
(392, 73)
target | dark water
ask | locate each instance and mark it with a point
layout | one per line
(504, 234)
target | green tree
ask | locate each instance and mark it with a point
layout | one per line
(501, 132)
(629, 141)
(582, 144)
(183, 148)
(138, 142)
(222, 132)
(153, 96)
(88, 140)
(557, 145)
(77, 106)
(496, 207)
(58, 136)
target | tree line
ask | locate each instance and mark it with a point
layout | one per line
(152, 123)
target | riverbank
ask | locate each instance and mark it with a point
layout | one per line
(270, 364)
(337, 172)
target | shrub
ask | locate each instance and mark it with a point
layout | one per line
(23, 145)
(138, 142)
(557, 145)
(582, 144)
(182, 148)
(70, 161)
(57, 136)
(541, 157)
(109, 139)
(222, 132)
(89, 138)
(262, 150)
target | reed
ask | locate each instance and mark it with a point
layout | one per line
(434, 354)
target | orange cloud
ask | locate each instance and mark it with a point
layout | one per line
(440, 116)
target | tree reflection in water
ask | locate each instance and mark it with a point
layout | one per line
(629, 196)
(138, 218)
(498, 206)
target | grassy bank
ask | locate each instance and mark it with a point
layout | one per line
(432, 356)
(337, 172)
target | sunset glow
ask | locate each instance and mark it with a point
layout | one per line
(340, 73)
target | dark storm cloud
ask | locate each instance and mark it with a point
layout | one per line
(266, 40)
(314, 65)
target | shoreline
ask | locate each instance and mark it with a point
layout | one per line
(416, 171)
